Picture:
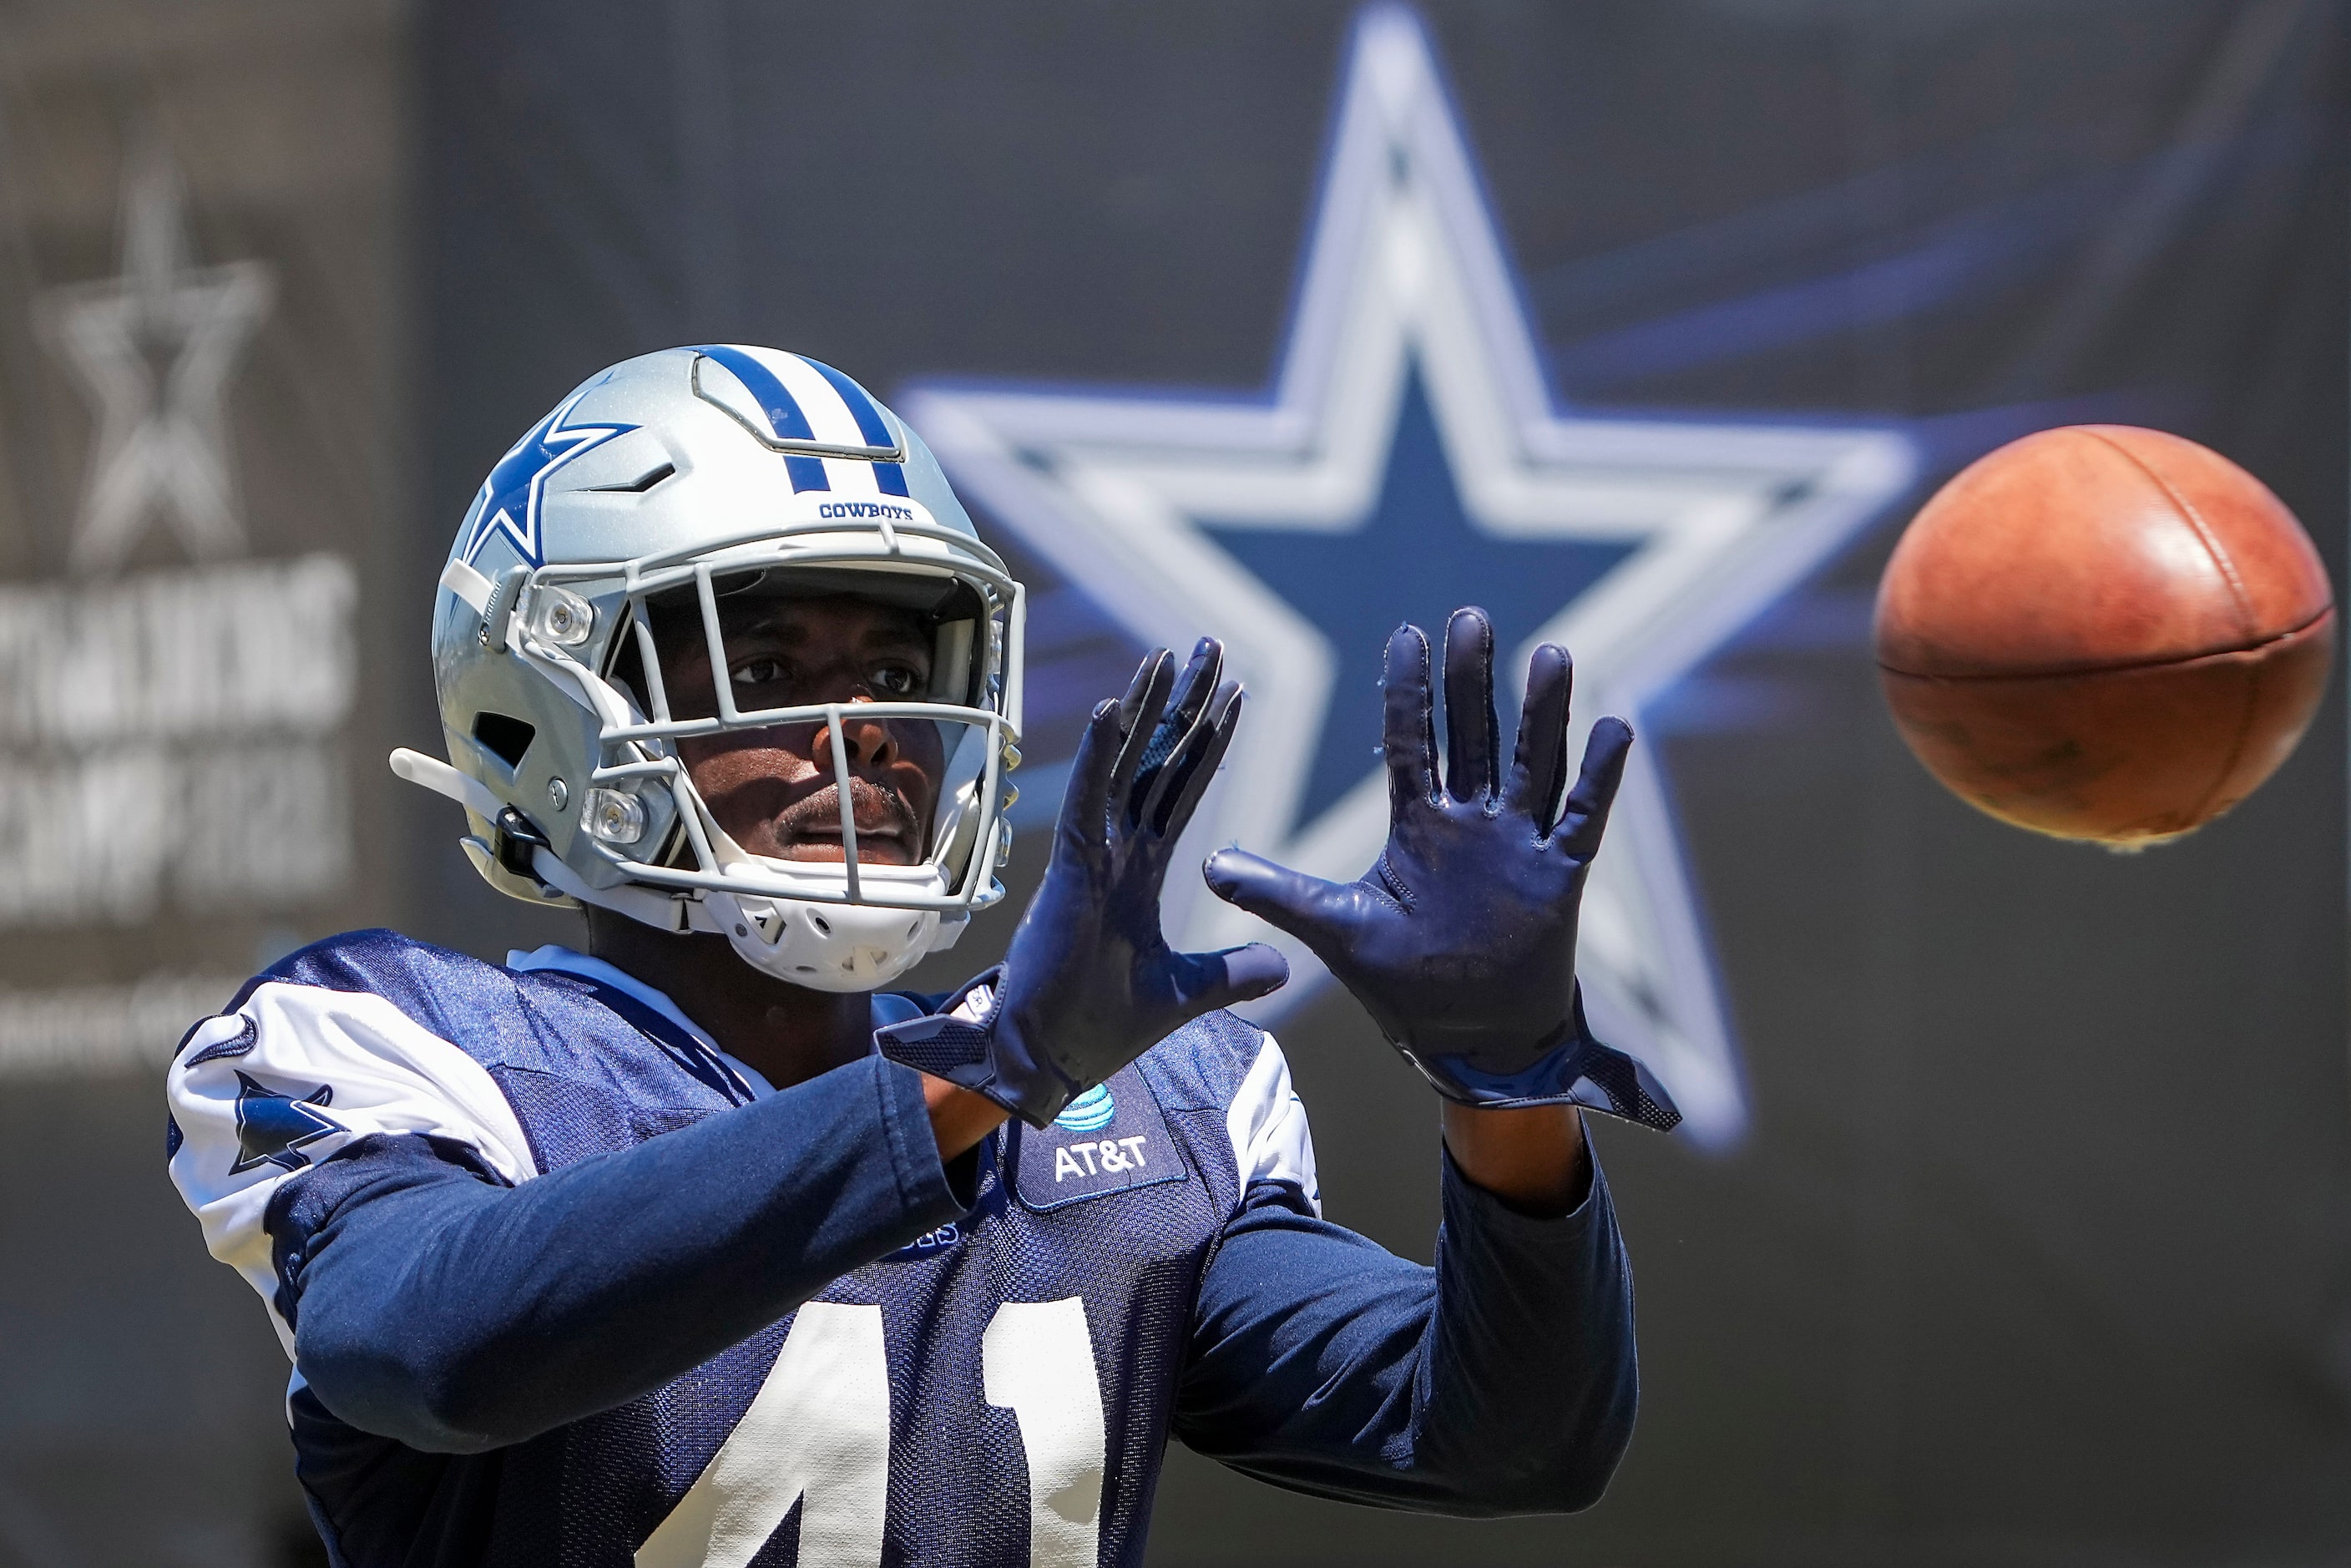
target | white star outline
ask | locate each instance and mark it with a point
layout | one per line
(562, 444)
(160, 446)
(1404, 262)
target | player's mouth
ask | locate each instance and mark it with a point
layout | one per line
(887, 834)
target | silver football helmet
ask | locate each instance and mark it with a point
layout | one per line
(658, 491)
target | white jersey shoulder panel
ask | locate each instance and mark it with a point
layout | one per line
(299, 1071)
(1267, 1125)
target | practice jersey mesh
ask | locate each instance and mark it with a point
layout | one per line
(375, 1036)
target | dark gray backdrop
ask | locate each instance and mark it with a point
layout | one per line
(2037, 1253)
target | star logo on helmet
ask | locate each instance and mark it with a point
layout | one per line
(509, 502)
(733, 421)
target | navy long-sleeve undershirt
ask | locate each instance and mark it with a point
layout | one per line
(438, 1307)
(1502, 1381)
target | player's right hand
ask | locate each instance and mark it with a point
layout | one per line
(1460, 939)
(1090, 982)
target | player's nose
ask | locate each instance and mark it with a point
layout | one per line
(868, 741)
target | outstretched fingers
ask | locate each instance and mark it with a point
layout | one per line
(1469, 725)
(1188, 774)
(1175, 729)
(1322, 914)
(1138, 715)
(1206, 981)
(1539, 770)
(1586, 817)
(1202, 674)
(1085, 801)
(1408, 727)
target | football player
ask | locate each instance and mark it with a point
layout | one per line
(702, 1245)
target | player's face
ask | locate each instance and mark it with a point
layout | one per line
(773, 790)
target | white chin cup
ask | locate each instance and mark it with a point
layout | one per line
(830, 947)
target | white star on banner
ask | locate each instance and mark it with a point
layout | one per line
(1147, 504)
(161, 445)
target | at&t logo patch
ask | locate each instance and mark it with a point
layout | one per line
(1110, 1139)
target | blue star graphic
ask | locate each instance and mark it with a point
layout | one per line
(1416, 556)
(1409, 457)
(272, 1127)
(509, 500)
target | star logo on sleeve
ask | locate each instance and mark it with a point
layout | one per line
(1411, 457)
(272, 1128)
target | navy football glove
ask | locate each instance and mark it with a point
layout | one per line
(1090, 983)
(1460, 940)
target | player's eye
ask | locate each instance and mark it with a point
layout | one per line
(896, 679)
(759, 670)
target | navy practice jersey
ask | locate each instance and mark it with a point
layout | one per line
(564, 1283)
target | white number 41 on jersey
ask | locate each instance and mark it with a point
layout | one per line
(818, 1433)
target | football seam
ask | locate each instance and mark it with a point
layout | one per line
(2074, 671)
(2250, 704)
(2227, 568)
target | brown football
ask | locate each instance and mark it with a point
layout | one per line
(2104, 632)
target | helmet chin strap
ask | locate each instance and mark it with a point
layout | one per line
(443, 779)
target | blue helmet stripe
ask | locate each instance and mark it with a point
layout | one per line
(889, 478)
(786, 422)
(870, 423)
(786, 419)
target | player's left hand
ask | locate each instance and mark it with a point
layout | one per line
(1460, 940)
(1090, 982)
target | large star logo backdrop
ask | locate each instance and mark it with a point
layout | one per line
(1410, 457)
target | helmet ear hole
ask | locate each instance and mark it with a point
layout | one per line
(503, 737)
